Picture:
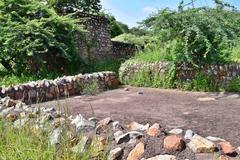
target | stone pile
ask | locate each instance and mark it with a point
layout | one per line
(45, 90)
(134, 141)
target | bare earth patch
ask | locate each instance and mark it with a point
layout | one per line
(207, 114)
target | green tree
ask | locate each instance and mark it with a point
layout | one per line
(203, 35)
(116, 27)
(30, 32)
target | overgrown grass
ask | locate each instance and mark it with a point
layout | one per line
(200, 82)
(234, 85)
(10, 79)
(29, 143)
(105, 65)
(155, 53)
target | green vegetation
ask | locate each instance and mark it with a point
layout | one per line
(190, 37)
(234, 85)
(30, 33)
(29, 142)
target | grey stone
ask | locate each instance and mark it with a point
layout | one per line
(176, 131)
(215, 139)
(20, 122)
(115, 153)
(189, 134)
(49, 110)
(82, 124)
(55, 137)
(120, 137)
(6, 111)
(162, 157)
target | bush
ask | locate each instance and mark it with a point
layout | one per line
(31, 32)
(202, 35)
(234, 85)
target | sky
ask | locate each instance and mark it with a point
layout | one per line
(132, 11)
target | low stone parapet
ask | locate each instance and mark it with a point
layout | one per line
(46, 90)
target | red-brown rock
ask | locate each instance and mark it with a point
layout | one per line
(154, 130)
(174, 143)
(227, 148)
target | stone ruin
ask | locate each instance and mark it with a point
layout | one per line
(98, 44)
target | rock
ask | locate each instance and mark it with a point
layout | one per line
(93, 119)
(49, 110)
(55, 137)
(134, 136)
(12, 116)
(199, 144)
(82, 124)
(176, 131)
(174, 143)
(137, 127)
(126, 89)
(115, 153)
(189, 134)
(120, 137)
(204, 156)
(154, 130)
(116, 126)
(10, 103)
(137, 152)
(20, 122)
(162, 157)
(6, 111)
(140, 92)
(215, 139)
(105, 122)
(227, 148)
(82, 144)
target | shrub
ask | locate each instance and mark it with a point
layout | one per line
(31, 32)
(203, 34)
(234, 85)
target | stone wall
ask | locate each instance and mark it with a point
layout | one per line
(222, 73)
(98, 44)
(45, 90)
(123, 50)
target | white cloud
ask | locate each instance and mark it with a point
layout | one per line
(149, 9)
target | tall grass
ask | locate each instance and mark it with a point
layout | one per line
(29, 143)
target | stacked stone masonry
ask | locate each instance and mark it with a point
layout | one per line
(98, 44)
(45, 90)
(222, 73)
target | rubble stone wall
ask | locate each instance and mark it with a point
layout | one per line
(222, 73)
(96, 44)
(46, 90)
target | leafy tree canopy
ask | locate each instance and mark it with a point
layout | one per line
(116, 27)
(31, 30)
(203, 35)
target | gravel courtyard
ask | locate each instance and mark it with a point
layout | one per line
(214, 114)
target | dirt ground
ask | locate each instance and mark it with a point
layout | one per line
(208, 114)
